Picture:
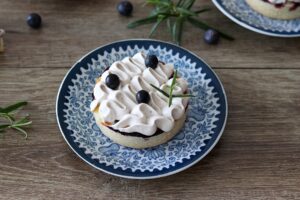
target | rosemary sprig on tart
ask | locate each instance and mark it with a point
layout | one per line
(170, 95)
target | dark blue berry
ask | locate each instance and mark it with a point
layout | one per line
(211, 36)
(112, 81)
(151, 61)
(125, 8)
(34, 20)
(142, 96)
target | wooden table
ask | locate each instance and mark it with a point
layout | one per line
(258, 156)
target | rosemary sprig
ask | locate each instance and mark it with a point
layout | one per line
(161, 91)
(10, 121)
(170, 96)
(175, 13)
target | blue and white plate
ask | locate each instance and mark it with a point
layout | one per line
(241, 13)
(203, 128)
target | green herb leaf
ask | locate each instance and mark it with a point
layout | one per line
(186, 12)
(183, 95)
(204, 26)
(179, 3)
(161, 91)
(21, 131)
(202, 10)
(172, 87)
(189, 3)
(159, 10)
(169, 25)
(158, 2)
(159, 20)
(8, 114)
(22, 122)
(13, 107)
(4, 126)
(147, 20)
(177, 30)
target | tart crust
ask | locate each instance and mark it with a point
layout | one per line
(139, 142)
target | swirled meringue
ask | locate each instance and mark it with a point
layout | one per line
(120, 108)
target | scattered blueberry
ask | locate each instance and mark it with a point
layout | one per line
(112, 81)
(211, 36)
(125, 8)
(151, 61)
(34, 20)
(142, 96)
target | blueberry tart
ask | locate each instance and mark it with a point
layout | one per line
(129, 104)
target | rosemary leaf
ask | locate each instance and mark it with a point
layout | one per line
(204, 26)
(13, 107)
(189, 4)
(169, 25)
(160, 10)
(161, 91)
(147, 20)
(4, 126)
(174, 30)
(21, 131)
(7, 116)
(22, 122)
(179, 3)
(186, 12)
(202, 10)
(177, 30)
(159, 20)
(183, 95)
(158, 2)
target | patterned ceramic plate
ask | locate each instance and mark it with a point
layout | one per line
(204, 125)
(240, 12)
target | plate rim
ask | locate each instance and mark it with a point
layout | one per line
(252, 28)
(142, 177)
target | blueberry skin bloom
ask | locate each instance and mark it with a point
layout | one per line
(211, 36)
(34, 20)
(125, 8)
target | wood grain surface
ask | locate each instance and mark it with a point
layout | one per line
(258, 156)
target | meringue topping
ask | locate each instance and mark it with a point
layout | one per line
(120, 108)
